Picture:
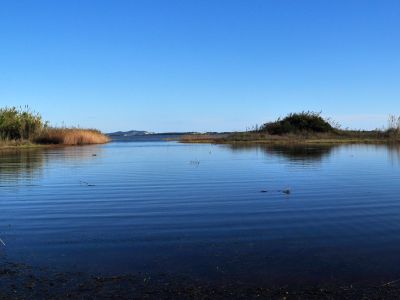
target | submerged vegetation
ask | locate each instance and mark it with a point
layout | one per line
(24, 127)
(304, 128)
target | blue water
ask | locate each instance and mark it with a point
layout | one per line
(212, 212)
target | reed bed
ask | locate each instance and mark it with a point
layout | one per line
(71, 136)
(21, 126)
(200, 138)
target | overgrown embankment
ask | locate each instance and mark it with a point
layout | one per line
(304, 128)
(24, 128)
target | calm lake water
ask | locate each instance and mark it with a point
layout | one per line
(209, 212)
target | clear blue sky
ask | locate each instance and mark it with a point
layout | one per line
(200, 65)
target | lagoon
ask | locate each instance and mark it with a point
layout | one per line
(212, 214)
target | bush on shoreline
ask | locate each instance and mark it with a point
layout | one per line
(297, 123)
(304, 127)
(393, 126)
(19, 123)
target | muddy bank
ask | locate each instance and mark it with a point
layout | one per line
(19, 281)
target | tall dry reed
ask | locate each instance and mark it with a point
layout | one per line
(71, 136)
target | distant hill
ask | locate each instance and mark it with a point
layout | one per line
(129, 133)
(142, 133)
(146, 136)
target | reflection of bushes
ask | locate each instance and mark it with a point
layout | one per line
(16, 164)
(20, 164)
(301, 153)
(290, 152)
(310, 153)
(394, 152)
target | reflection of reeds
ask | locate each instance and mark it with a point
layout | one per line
(394, 152)
(23, 163)
(71, 136)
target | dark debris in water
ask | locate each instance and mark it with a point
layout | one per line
(285, 191)
(86, 183)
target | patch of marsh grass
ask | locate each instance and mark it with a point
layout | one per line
(71, 136)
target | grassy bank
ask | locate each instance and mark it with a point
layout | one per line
(248, 138)
(303, 128)
(21, 127)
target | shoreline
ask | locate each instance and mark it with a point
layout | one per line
(58, 138)
(28, 146)
(32, 146)
(286, 140)
(295, 142)
(222, 141)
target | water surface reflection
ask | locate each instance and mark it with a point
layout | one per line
(148, 209)
(27, 164)
(295, 153)
(20, 164)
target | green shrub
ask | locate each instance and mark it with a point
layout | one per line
(393, 129)
(304, 122)
(19, 123)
